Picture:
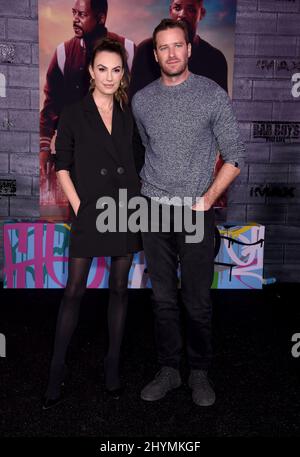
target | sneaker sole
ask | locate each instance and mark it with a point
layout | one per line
(143, 397)
(210, 403)
(204, 404)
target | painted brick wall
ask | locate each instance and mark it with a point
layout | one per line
(19, 109)
(267, 33)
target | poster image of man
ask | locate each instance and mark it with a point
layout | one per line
(205, 60)
(68, 30)
(67, 80)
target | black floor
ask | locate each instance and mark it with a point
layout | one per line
(256, 377)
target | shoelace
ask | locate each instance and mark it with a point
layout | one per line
(200, 378)
(163, 374)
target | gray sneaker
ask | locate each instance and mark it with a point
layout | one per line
(202, 391)
(166, 379)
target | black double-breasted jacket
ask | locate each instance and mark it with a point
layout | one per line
(100, 164)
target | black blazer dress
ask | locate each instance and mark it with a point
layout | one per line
(99, 164)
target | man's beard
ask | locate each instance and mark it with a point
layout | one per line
(179, 72)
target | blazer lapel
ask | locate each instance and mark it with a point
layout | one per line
(120, 132)
(98, 127)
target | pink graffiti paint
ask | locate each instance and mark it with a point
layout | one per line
(43, 258)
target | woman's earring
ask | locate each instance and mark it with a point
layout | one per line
(92, 83)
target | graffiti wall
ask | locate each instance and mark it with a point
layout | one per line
(239, 262)
(36, 256)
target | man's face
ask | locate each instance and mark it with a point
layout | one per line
(172, 52)
(84, 19)
(190, 11)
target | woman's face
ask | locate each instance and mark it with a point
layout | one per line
(107, 72)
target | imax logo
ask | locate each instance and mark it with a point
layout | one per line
(273, 191)
(2, 345)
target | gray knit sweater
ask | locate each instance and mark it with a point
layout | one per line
(182, 127)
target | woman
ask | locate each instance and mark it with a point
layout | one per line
(94, 158)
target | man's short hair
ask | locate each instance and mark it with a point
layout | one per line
(168, 23)
(99, 6)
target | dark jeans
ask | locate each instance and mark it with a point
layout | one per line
(197, 266)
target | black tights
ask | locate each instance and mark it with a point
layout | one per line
(78, 270)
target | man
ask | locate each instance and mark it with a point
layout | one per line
(183, 120)
(205, 59)
(67, 76)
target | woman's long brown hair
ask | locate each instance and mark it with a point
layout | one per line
(109, 45)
